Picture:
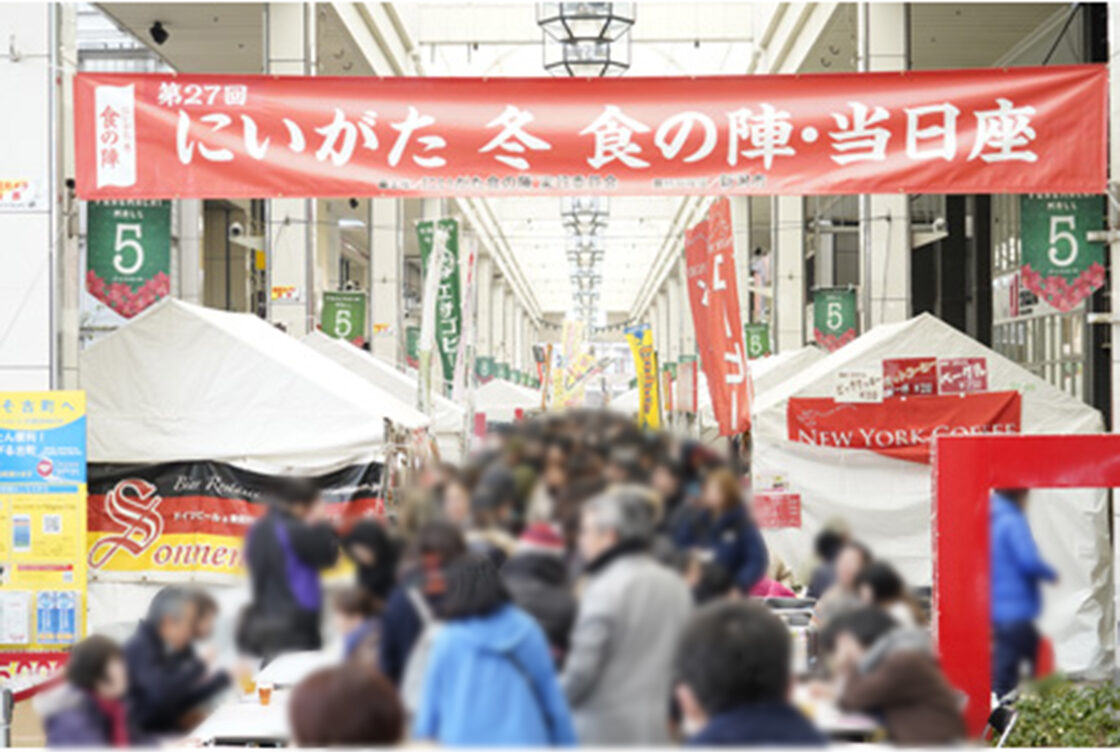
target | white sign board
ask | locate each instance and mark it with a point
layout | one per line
(859, 385)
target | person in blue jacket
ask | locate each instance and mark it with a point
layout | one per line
(722, 529)
(490, 679)
(1017, 570)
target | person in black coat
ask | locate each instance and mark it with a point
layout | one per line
(375, 554)
(164, 680)
(537, 579)
(285, 550)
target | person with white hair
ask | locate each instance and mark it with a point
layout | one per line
(619, 668)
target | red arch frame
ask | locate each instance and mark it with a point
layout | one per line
(965, 469)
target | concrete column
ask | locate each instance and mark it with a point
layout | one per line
(886, 228)
(188, 270)
(518, 338)
(688, 332)
(292, 222)
(68, 268)
(386, 280)
(1114, 220)
(663, 322)
(741, 233)
(509, 341)
(30, 150)
(674, 290)
(789, 272)
(497, 319)
(484, 278)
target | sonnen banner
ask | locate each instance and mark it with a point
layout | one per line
(990, 130)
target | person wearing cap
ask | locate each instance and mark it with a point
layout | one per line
(536, 576)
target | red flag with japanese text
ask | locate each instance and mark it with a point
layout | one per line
(713, 294)
(993, 130)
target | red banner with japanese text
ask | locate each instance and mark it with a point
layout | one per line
(713, 295)
(902, 429)
(996, 130)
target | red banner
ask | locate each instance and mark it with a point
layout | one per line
(713, 295)
(900, 429)
(909, 377)
(774, 509)
(997, 130)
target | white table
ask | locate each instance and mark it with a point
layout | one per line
(833, 722)
(245, 722)
(290, 669)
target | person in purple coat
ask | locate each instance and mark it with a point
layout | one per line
(89, 709)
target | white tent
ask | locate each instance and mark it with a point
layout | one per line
(628, 402)
(183, 382)
(887, 501)
(448, 421)
(500, 400)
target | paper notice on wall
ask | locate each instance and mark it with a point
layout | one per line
(15, 617)
(776, 509)
(859, 385)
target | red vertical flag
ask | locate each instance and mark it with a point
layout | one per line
(713, 295)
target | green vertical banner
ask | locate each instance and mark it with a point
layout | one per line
(757, 338)
(516, 377)
(449, 316)
(412, 346)
(834, 317)
(128, 253)
(501, 370)
(484, 368)
(344, 316)
(1059, 264)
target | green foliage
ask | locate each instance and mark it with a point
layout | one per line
(1058, 713)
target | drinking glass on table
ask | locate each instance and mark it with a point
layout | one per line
(264, 692)
(248, 683)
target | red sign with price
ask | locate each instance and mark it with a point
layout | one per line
(962, 375)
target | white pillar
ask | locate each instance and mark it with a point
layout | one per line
(663, 322)
(518, 338)
(740, 233)
(1114, 216)
(673, 335)
(688, 331)
(789, 272)
(29, 149)
(484, 277)
(497, 319)
(887, 226)
(509, 338)
(188, 270)
(292, 232)
(386, 278)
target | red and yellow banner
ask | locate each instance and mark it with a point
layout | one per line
(995, 130)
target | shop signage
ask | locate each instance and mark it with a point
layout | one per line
(42, 517)
(858, 385)
(962, 375)
(484, 368)
(502, 371)
(18, 194)
(344, 316)
(909, 377)
(150, 521)
(901, 429)
(834, 317)
(449, 320)
(640, 338)
(128, 253)
(412, 346)
(757, 337)
(773, 509)
(1059, 263)
(992, 130)
(713, 297)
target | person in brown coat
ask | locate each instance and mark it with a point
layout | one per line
(891, 672)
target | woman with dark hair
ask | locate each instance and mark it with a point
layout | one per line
(346, 706)
(375, 554)
(490, 679)
(419, 592)
(89, 710)
(880, 585)
(725, 534)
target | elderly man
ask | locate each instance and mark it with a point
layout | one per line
(619, 668)
(165, 681)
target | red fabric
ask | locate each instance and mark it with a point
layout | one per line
(228, 136)
(713, 296)
(542, 535)
(902, 429)
(117, 714)
(768, 588)
(1044, 662)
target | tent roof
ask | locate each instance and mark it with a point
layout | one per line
(448, 415)
(183, 382)
(1045, 407)
(499, 393)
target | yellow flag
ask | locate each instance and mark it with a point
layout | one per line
(640, 338)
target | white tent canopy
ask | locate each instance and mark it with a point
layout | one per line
(500, 400)
(183, 382)
(448, 421)
(887, 501)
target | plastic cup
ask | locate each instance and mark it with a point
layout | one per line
(264, 692)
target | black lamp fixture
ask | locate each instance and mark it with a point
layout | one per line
(586, 39)
(158, 33)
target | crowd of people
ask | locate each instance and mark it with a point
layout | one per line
(576, 581)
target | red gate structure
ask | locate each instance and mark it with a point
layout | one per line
(965, 469)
